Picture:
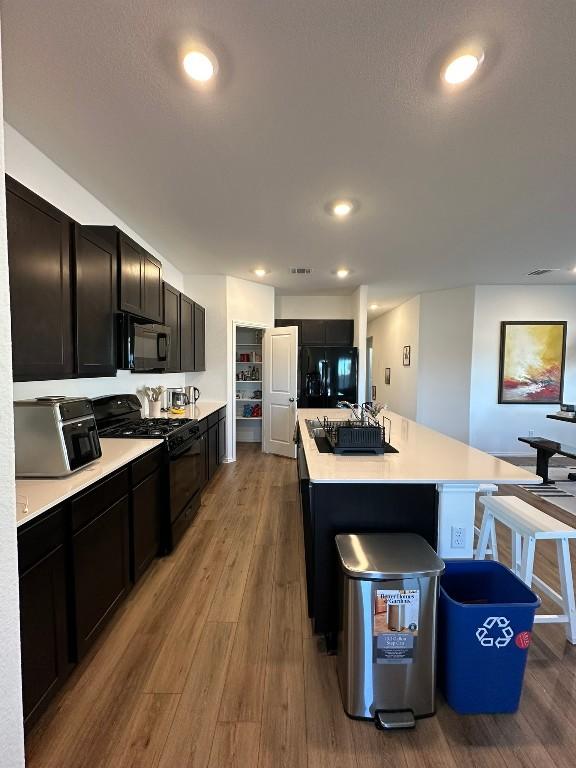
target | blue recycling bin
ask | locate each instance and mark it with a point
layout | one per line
(485, 620)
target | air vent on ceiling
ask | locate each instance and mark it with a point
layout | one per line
(300, 270)
(539, 271)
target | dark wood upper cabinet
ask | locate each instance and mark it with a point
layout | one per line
(199, 338)
(40, 296)
(313, 333)
(319, 333)
(152, 288)
(339, 333)
(140, 280)
(172, 318)
(95, 305)
(186, 333)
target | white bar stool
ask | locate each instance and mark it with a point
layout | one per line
(529, 525)
(487, 489)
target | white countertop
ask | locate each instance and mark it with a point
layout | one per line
(200, 411)
(424, 456)
(41, 494)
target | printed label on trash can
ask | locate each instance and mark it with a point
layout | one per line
(395, 625)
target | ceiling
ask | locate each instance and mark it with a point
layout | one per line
(314, 100)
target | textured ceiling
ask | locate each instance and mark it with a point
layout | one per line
(315, 100)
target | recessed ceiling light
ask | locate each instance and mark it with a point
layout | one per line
(342, 273)
(373, 306)
(463, 67)
(200, 65)
(260, 272)
(341, 208)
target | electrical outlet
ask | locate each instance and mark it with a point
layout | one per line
(530, 433)
(458, 537)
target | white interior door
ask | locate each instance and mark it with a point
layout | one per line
(279, 390)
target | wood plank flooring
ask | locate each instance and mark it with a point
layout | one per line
(211, 663)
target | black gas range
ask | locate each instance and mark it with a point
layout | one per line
(186, 456)
(120, 416)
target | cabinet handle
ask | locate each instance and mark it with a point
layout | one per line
(290, 399)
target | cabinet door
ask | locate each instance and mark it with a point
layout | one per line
(204, 453)
(145, 523)
(172, 318)
(221, 440)
(131, 276)
(186, 333)
(199, 338)
(43, 632)
(40, 301)
(101, 571)
(152, 268)
(340, 333)
(95, 285)
(313, 333)
(212, 450)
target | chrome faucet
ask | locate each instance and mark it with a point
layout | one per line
(353, 408)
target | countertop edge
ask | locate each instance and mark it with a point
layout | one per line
(112, 467)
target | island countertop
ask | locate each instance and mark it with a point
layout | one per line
(424, 456)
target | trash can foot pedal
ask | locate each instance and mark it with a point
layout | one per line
(390, 721)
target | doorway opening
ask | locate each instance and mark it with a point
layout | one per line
(249, 376)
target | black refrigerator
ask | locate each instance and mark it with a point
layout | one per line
(327, 375)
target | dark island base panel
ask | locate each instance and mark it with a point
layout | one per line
(332, 508)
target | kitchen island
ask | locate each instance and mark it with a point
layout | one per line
(428, 487)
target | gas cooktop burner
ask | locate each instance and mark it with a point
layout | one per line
(147, 428)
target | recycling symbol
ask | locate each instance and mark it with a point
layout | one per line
(504, 632)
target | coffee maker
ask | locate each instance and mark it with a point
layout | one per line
(180, 397)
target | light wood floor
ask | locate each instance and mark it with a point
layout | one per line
(211, 663)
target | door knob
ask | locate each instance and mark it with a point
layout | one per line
(290, 399)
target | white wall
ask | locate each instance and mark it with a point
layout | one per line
(445, 360)
(315, 307)
(390, 333)
(496, 428)
(37, 172)
(11, 718)
(210, 291)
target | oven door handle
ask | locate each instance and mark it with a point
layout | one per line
(183, 449)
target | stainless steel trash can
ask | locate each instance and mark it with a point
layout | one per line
(387, 637)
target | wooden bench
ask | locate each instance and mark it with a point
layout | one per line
(529, 525)
(545, 449)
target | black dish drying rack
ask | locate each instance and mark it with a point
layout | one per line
(355, 436)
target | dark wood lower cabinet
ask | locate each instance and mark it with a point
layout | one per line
(146, 501)
(100, 552)
(212, 450)
(43, 632)
(44, 623)
(77, 562)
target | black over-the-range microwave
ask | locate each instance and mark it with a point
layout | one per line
(142, 347)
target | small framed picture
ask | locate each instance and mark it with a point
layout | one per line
(373, 392)
(406, 356)
(386, 375)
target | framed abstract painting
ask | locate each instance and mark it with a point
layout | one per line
(532, 357)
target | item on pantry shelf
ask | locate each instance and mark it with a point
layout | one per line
(257, 357)
(257, 410)
(247, 411)
(257, 394)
